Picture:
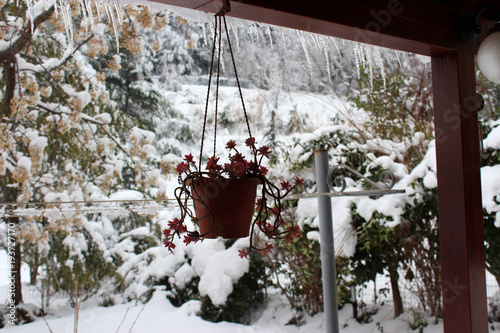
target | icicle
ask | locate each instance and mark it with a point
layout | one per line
(68, 21)
(222, 63)
(31, 14)
(256, 31)
(269, 33)
(98, 10)
(252, 37)
(380, 64)
(369, 61)
(234, 30)
(315, 40)
(357, 59)
(212, 30)
(337, 47)
(86, 23)
(306, 52)
(282, 30)
(115, 27)
(398, 58)
(205, 37)
(310, 41)
(90, 13)
(252, 31)
(119, 11)
(327, 59)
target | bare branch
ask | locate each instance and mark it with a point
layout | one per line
(26, 36)
(8, 59)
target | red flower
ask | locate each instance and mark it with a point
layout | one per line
(250, 142)
(285, 185)
(298, 182)
(264, 150)
(182, 167)
(191, 238)
(172, 224)
(169, 245)
(237, 158)
(265, 250)
(243, 253)
(167, 232)
(189, 158)
(212, 165)
(293, 232)
(263, 170)
(177, 226)
(231, 144)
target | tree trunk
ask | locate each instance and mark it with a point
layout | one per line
(34, 270)
(9, 66)
(396, 294)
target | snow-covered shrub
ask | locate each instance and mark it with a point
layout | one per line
(245, 300)
(491, 204)
(493, 309)
(78, 263)
(366, 312)
(416, 320)
(296, 267)
(398, 105)
(230, 288)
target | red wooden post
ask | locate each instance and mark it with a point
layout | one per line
(459, 189)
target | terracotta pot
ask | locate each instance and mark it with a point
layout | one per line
(227, 205)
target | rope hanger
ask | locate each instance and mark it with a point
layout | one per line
(219, 18)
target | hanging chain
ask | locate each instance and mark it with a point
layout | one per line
(218, 39)
(208, 96)
(239, 89)
(218, 77)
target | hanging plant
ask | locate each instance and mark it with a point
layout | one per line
(224, 195)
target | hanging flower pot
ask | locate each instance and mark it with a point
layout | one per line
(224, 207)
(224, 195)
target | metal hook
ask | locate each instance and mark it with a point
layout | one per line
(226, 8)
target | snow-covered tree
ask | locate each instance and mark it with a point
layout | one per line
(64, 139)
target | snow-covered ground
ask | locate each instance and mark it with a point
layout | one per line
(158, 315)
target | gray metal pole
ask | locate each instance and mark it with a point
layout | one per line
(326, 242)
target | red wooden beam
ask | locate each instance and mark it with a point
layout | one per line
(422, 27)
(459, 190)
